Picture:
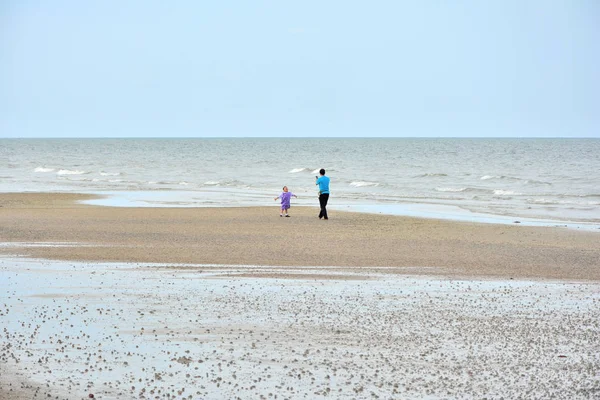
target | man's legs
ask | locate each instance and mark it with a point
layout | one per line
(323, 202)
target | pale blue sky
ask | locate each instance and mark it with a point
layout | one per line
(305, 68)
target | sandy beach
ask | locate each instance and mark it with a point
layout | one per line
(124, 303)
(259, 236)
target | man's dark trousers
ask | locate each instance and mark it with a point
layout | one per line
(323, 198)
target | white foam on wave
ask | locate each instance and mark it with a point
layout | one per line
(296, 170)
(211, 183)
(110, 173)
(486, 177)
(70, 172)
(500, 192)
(43, 169)
(431, 175)
(449, 189)
(184, 183)
(363, 183)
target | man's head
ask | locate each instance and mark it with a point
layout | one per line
(322, 171)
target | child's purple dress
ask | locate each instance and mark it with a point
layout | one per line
(285, 199)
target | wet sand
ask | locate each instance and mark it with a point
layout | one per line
(140, 331)
(259, 236)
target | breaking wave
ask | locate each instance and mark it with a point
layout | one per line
(70, 172)
(431, 174)
(449, 189)
(363, 183)
(43, 169)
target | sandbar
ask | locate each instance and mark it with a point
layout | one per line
(258, 236)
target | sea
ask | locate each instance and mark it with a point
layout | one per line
(502, 180)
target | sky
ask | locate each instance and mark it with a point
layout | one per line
(144, 68)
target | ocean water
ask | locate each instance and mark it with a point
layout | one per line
(543, 179)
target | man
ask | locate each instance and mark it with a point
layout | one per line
(323, 183)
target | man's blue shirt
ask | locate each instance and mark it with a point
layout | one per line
(323, 183)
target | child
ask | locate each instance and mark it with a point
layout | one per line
(285, 201)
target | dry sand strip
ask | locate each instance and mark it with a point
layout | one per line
(258, 236)
(75, 329)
